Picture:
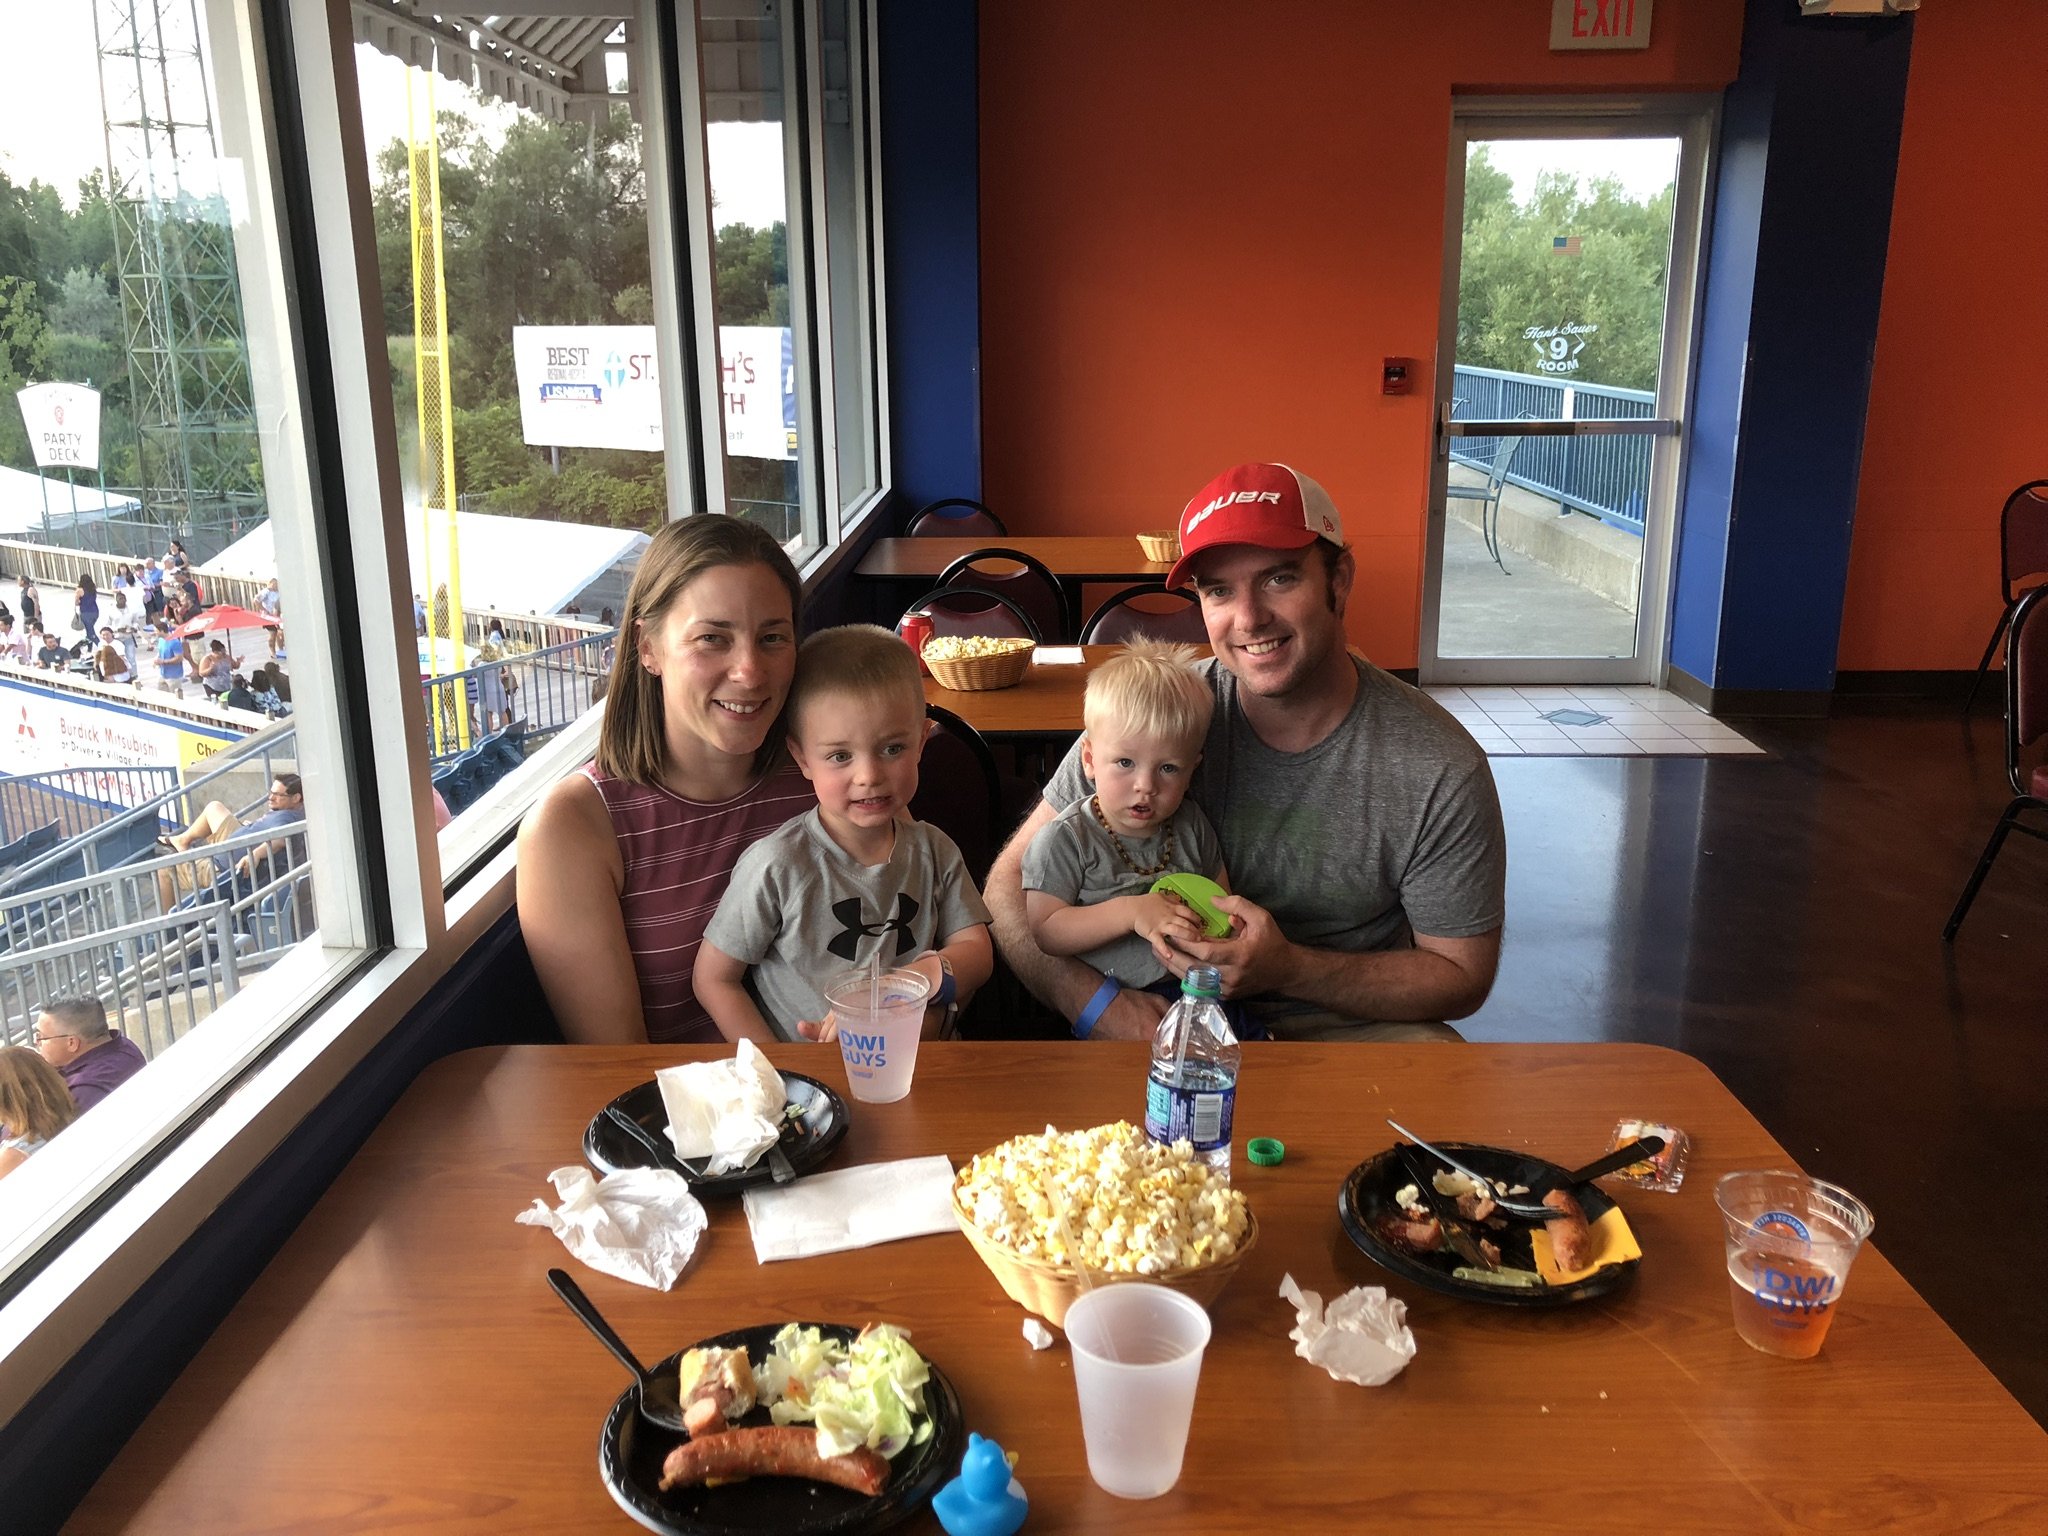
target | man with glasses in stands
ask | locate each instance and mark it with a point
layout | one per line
(1358, 819)
(285, 807)
(73, 1036)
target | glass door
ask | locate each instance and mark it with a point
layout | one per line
(1571, 256)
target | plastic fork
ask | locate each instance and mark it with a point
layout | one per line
(1522, 1209)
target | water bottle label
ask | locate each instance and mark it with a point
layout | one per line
(1200, 1116)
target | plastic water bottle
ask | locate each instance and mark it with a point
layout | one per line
(1192, 1090)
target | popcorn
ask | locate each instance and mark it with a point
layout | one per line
(1133, 1206)
(960, 647)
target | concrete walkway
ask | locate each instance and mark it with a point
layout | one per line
(1534, 612)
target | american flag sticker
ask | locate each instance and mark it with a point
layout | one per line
(1564, 245)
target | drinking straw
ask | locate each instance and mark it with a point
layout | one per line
(875, 986)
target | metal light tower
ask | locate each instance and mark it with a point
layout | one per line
(174, 251)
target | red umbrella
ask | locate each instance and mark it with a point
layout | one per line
(222, 616)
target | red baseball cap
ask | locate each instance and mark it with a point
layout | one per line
(1267, 505)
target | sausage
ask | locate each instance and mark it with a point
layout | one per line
(1418, 1236)
(1570, 1238)
(783, 1450)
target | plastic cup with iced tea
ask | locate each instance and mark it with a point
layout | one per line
(1790, 1242)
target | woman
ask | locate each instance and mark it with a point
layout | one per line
(492, 676)
(109, 664)
(124, 577)
(34, 1105)
(87, 598)
(621, 865)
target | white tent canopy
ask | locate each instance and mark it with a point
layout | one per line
(510, 564)
(22, 503)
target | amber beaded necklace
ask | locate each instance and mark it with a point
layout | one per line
(1165, 848)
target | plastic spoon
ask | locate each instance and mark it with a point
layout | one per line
(660, 1396)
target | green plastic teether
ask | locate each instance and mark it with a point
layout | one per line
(1200, 893)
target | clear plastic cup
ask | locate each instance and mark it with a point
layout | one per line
(879, 1021)
(1137, 1355)
(1791, 1240)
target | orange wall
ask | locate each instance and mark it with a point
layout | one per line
(1202, 231)
(1958, 399)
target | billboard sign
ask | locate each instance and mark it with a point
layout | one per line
(594, 386)
(42, 730)
(63, 425)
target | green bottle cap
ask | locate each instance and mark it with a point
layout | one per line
(1265, 1151)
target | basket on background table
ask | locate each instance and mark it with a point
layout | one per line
(1048, 1289)
(1001, 668)
(1164, 546)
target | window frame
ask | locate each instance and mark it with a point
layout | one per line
(398, 910)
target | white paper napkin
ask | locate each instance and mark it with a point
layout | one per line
(851, 1208)
(640, 1224)
(1362, 1336)
(728, 1111)
(1058, 656)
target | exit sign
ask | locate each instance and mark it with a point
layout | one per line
(1599, 24)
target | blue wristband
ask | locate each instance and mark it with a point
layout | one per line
(1105, 994)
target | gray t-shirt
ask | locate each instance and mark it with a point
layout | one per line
(1386, 827)
(1072, 858)
(800, 910)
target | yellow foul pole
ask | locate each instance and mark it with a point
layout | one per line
(434, 394)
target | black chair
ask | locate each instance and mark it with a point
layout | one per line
(964, 610)
(2022, 555)
(1151, 609)
(957, 517)
(1026, 580)
(960, 790)
(2026, 722)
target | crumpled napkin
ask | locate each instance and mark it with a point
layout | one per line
(728, 1111)
(1362, 1336)
(640, 1224)
(851, 1208)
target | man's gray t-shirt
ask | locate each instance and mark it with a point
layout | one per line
(1389, 825)
(800, 910)
(1072, 858)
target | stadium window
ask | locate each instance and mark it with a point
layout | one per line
(842, 123)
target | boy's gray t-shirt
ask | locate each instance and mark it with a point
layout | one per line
(1072, 858)
(800, 910)
(1388, 825)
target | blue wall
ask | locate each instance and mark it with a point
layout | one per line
(1802, 218)
(931, 228)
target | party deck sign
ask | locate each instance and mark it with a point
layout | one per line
(63, 423)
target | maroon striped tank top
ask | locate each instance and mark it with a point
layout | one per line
(678, 857)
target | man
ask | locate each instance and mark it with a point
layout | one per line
(94, 1060)
(269, 601)
(1359, 822)
(286, 807)
(49, 654)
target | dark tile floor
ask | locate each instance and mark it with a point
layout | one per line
(1780, 919)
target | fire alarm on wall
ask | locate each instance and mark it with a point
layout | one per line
(1394, 372)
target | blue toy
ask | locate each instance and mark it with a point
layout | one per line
(984, 1500)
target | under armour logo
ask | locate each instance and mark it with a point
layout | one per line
(854, 926)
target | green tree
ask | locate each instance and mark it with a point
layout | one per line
(1517, 291)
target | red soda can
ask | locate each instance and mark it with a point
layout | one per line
(917, 628)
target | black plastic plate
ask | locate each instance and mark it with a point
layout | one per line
(808, 1137)
(1369, 1191)
(630, 1454)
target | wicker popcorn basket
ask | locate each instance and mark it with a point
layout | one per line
(1161, 546)
(1049, 1289)
(1001, 668)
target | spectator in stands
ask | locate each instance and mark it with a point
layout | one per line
(31, 607)
(126, 621)
(124, 577)
(152, 588)
(239, 695)
(217, 670)
(188, 588)
(419, 614)
(34, 1105)
(50, 655)
(270, 602)
(110, 663)
(268, 699)
(175, 558)
(491, 680)
(86, 598)
(216, 824)
(73, 1036)
(13, 642)
(170, 659)
(275, 632)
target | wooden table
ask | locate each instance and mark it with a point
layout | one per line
(1073, 558)
(402, 1364)
(1046, 703)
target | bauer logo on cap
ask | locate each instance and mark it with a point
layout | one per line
(1266, 505)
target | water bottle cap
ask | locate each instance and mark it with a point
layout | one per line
(1203, 981)
(1265, 1151)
